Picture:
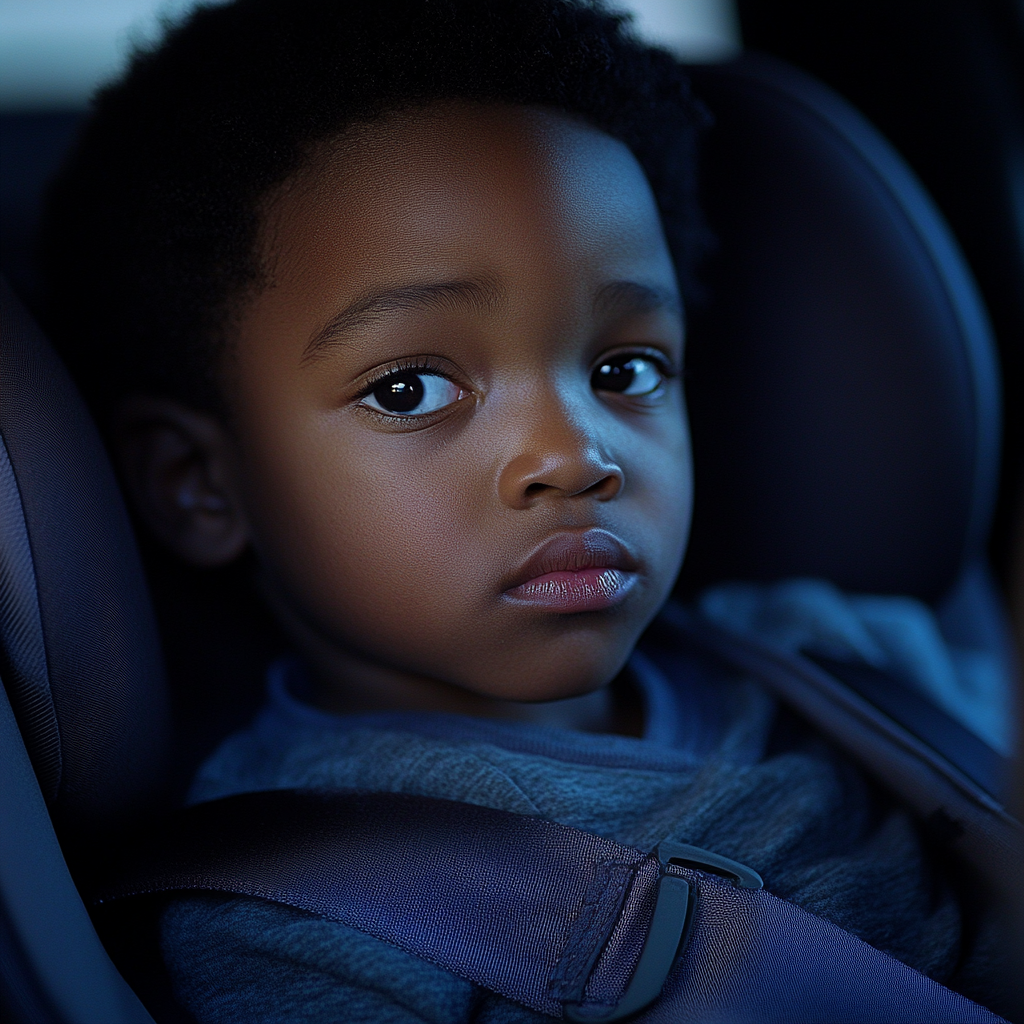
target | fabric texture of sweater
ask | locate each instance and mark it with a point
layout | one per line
(720, 766)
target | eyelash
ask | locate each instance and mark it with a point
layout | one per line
(425, 365)
(428, 366)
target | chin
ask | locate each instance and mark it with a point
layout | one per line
(549, 676)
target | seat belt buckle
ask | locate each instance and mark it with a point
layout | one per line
(670, 925)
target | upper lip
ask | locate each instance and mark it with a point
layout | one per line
(573, 551)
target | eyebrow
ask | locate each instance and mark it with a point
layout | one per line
(633, 297)
(372, 306)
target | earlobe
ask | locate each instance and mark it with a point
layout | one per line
(181, 470)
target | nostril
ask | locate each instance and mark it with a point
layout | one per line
(531, 478)
(607, 488)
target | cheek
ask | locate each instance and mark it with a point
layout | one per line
(663, 489)
(369, 531)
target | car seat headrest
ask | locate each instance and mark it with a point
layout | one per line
(842, 382)
(79, 656)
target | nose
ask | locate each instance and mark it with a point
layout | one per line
(558, 458)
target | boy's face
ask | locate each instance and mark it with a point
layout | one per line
(462, 450)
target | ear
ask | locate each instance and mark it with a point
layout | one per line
(181, 469)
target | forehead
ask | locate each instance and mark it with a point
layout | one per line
(508, 193)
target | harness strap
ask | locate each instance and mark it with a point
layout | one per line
(973, 820)
(558, 920)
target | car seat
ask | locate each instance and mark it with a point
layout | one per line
(844, 404)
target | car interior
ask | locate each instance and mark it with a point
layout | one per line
(855, 382)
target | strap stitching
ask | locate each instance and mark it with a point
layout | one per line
(591, 929)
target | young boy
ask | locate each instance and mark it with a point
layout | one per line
(390, 295)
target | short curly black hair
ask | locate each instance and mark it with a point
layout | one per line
(149, 237)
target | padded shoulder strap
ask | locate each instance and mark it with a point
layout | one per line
(902, 755)
(559, 920)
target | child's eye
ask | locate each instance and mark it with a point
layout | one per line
(412, 393)
(628, 375)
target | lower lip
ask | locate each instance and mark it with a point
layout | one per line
(590, 590)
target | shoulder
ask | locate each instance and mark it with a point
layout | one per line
(369, 759)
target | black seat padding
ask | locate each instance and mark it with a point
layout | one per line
(79, 655)
(842, 382)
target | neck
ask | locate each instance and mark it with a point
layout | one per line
(347, 682)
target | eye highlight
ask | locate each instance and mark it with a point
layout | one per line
(628, 374)
(411, 392)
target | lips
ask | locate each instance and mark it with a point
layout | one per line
(575, 572)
